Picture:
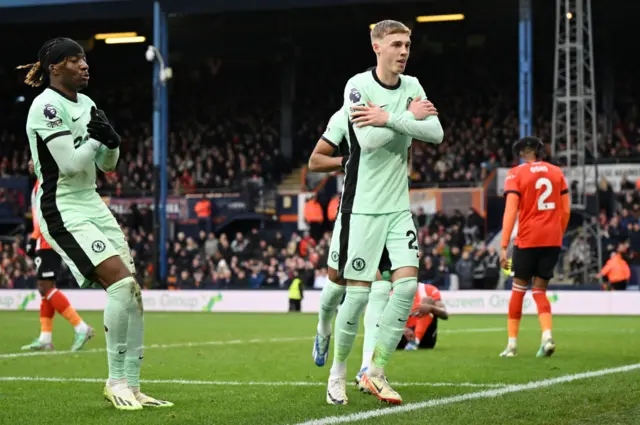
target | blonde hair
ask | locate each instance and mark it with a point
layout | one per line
(35, 76)
(387, 27)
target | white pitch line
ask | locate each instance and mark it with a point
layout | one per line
(176, 345)
(243, 383)
(206, 343)
(251, 341)
(331, 420)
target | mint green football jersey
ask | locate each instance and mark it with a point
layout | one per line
(336, 129)
(72, 216)
(53, 115)
(64, 157)
(376, 180)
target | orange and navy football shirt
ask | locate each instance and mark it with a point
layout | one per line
(540, 186)
(424, 290)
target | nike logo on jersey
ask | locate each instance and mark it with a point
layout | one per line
(76, 119)
(400, 320)
(351, 324)
(122, 352)
(383, 106)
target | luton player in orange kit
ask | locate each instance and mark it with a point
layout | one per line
(48, 264)
(422, 327)
(538, 196)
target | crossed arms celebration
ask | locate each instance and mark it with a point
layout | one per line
(376, 127)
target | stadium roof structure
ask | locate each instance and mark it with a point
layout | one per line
(14, 11)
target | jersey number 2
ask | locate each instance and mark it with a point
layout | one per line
(412, 242)
(548, 188)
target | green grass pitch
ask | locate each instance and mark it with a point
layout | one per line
(257, 369)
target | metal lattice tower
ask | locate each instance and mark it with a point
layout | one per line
(574, 100)
(573, 133)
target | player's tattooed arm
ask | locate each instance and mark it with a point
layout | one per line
(370, 138)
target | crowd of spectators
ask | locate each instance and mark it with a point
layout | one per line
(619, 224)
(228, 130)
(212, 156)
(262, 260)
(12, 202)
(449, 244)
(218, 141)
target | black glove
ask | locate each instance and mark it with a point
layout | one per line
(31, 247)
(100, 129)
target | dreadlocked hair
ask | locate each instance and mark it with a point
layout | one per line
(37, 74)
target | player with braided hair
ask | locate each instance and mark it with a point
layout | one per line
(37, 75)
(68, 138)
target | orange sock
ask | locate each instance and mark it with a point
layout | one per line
(60, 302)
(544, 309)
(515, 310)
(46, 316)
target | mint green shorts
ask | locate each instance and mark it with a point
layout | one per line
(84, 236)
(363, 243)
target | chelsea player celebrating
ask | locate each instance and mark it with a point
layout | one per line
(68, 138)
(385, 111)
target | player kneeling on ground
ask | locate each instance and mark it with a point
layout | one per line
(68, 138)
(422, 326)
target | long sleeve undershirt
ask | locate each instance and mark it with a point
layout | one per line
(428, 130)
(71, 160)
